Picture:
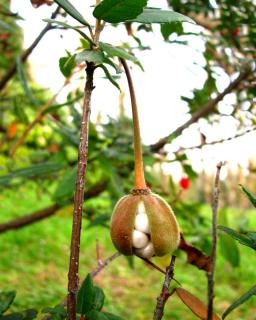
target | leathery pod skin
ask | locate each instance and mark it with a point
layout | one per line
(144, 225)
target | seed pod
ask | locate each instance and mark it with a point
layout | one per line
(161, 228)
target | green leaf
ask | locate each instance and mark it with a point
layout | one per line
(151, 15)
(71, 10)
(117, 52)
(115, 11)
(111, 316)
(169, 28)
(243, 239)
(109, 76)
(12, 316)
(251, 196)
(29, 314)
(65, 188)
(32, 171)
(85, 296)
(229, 250)
(95, 56)
(68, 26)
(66, 65)
(58, 311)
(99, 298)
(240, 301)
(23, 81)
(96, 315)
(6, 299)
(19, 111)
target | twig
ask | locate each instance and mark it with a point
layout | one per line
(30, 218)
(152, 265)
(24, 56)
(238, 135)
(73, 280)
(204, 110)
(104, 264)
(210, 273)
(48, 211)
(165, 293)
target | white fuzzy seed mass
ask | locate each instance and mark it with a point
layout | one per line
(139, 239)
(142, 223)
(147, 252)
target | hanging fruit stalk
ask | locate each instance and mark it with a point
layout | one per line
(142, 222)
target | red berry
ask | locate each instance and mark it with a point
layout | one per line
(184, 183)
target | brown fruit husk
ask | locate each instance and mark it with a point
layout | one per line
(164, 229)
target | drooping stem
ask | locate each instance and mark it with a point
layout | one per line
(73, 280)
(139, 170)
(210, 274)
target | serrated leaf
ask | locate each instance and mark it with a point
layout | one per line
(251, 196)
(95, 56)
(115, 11)
(96, 315)
(151, 15)
(66, 65)
(6, 299)
(240, 301)
(99, 298)
(71, 10)
(109, 76)
(229, 250)
(111, 316)
(85, 296)
(243, 239)
(198, 307)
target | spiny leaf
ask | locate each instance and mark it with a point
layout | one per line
(251, 196)
(194, 304)
(240, 301)
(71, 10)
(243, 239)
(151, 15)
(115, 11)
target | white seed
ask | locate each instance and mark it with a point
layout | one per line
(139, 239)
(141, 223)
(141, 208)
(146, 252)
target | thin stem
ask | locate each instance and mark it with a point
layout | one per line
(73, 280)
(139, 170)
(210, 274)
(165, 293)
(24, 56)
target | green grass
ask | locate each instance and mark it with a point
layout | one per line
(34, 261)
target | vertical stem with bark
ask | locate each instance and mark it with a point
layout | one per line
(73, 280)
(139, 170)
(210, 274)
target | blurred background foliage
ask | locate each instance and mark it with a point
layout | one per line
(39, 140)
